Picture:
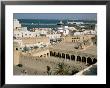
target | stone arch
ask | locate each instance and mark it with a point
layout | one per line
(47, 54)
(63, 55)
(67, 56)
(78, 58)
(57, 54)
(60, 55)
(94, 60)
(54, 54)
(89, 60)
(72, 57)
(84, 59)
(51, 53)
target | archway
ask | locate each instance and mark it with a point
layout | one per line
(63, 55)
(54, 54)
(84, 59)
(51, 53)
(94, 60)
(47, 54)
(60, 55)
(67, 56)
(72, 57)
(78, 58)
(89, 60)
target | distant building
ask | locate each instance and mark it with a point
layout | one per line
(16, 24)
(53, 36)
(36, 40)
(41, 32)
(66, 30)
(78, 33)
(63, 30)
(21, 34)
(73, 22)
(81, 38)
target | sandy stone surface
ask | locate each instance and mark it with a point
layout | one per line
(39, 66)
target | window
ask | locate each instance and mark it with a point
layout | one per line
(16, 48)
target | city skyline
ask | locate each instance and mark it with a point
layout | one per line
(57, 50)
(75, 16)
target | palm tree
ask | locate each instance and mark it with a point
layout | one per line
(48, 70)
(62, 69)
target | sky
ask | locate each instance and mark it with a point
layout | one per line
(76, 16)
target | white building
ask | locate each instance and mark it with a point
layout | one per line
(16, 24)
(41, 32)
(66, 30)
(73, 22)
(78, 33)
(63, 30)
(20, 34)
(72, 28)
(28, 34)
(85, 32)
(24, 28)
(53, 36)
(89, 32)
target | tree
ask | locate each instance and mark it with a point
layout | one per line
(19, 65)
(48, 70)
(78, 45)
(25, 49)
(62, 69)
(36, 47)
(74, 71)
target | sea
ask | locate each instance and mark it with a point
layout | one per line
(47, 23)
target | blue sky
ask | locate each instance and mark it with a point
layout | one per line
(77, 16)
